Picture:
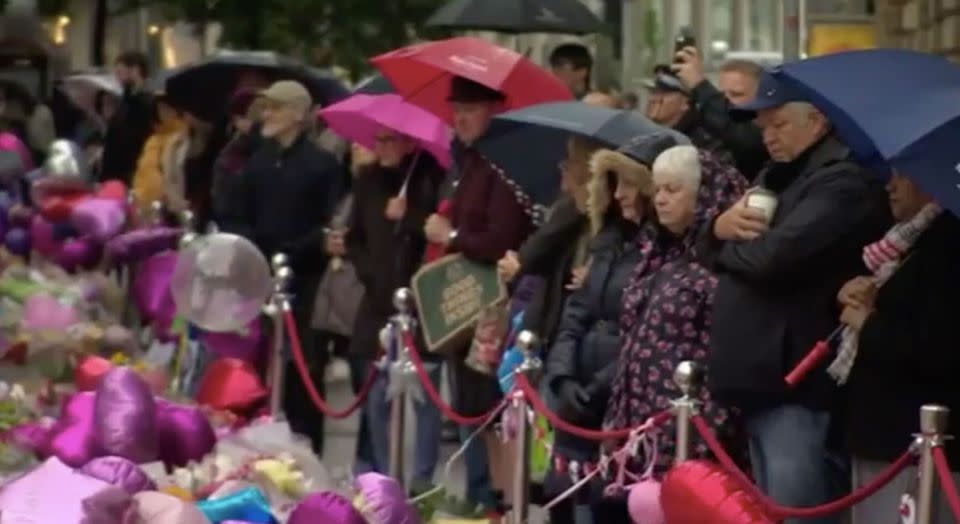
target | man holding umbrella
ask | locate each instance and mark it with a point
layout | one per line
(285, 197)
(778, 275)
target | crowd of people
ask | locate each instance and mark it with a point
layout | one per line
(653, 255)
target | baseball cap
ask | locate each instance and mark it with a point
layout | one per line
(289, 92)
(664, 80)
(771, 93)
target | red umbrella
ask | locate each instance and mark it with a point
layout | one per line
(421, 74)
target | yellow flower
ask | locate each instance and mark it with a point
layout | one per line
(119, 359)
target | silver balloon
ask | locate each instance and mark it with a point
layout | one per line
(65, 170)
(221, 282)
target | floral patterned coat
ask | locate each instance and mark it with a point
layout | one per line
(667, 310)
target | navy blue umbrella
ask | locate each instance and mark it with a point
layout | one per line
(529, 143)
(893, 108)
(374, 85)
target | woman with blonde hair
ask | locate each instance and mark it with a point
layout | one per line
(157, 162)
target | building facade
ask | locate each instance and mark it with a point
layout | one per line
(924, 25)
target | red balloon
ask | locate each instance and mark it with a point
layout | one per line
(699, 492)
(57, 209)
(112, 189)
(89, 371)
(231, 384)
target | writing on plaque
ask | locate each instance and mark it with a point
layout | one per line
(451, 293)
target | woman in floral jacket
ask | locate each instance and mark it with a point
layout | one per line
(668, 304)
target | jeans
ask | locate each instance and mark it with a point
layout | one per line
(427, 423)
(365, 460)
(791, 461)
(479, 483)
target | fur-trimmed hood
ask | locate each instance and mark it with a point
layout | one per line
(603, 163)
(631, 162)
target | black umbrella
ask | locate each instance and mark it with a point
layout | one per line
(517, 16)
(204, 88)
(374, 85)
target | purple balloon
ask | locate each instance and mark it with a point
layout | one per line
(41, 236)
(126, 416)
(383, 500)
(20, 215)
(72, 438)
(119, 472)
(244, 346)
(17, 241)
(139, 244)
(99, 218)
(325, 506)
(78, 253)
(184, 433)
(33, 437)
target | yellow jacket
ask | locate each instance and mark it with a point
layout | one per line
(149, 181)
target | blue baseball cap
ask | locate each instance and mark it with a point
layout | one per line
(771, 93)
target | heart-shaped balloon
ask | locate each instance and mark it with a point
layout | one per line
(700, 492)
(57, 209)
(243, 346)
(126, 416)
(151, 289)
(17, 241)
(119, 472)
(91, 369)
(51, 492)
(72, 438)
(99, 218)
(112, 189)
(643, 503)
(136, 245)
(42, 312)
(230, 384)
(382, 500)
(184, 433)
(325, 506)
(41, 237)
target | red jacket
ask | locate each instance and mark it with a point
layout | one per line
(485, 212)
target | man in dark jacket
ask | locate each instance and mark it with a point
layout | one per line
(737, 84)
(285, 198)
(132, 123)
(775, 298)
(670, 104)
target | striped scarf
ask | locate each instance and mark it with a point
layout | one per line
(883, 258)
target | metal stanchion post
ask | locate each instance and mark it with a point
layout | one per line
(188, 223)
(402, 323)
(933, 425)
(688, 377)
(156, 212)
(278, 306)
(527, 343)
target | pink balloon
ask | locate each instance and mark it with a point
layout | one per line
(99, 218)
(244, 346)
(41, 235)
(643, 503)
(33, 437)
(126, 416)
(184, 433)
(42, 312)
(159, 508)
(72, 438)
(51, 492)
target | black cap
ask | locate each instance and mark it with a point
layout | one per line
(665, 80)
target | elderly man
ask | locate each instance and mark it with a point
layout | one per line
(285, 197)
(736, 84)
(775, 299)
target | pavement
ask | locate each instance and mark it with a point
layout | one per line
(341, 436)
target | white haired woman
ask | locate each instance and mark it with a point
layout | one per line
(668, 304)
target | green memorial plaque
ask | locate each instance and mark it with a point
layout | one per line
(451, 293)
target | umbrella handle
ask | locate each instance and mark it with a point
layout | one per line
(406, 181)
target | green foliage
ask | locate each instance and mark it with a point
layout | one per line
(323, 32)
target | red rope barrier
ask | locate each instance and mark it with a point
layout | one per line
(434, 395)
(783, 512)
(304, 373)
(946, 481)
(588, 434)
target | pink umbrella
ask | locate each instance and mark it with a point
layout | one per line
(360, 117)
